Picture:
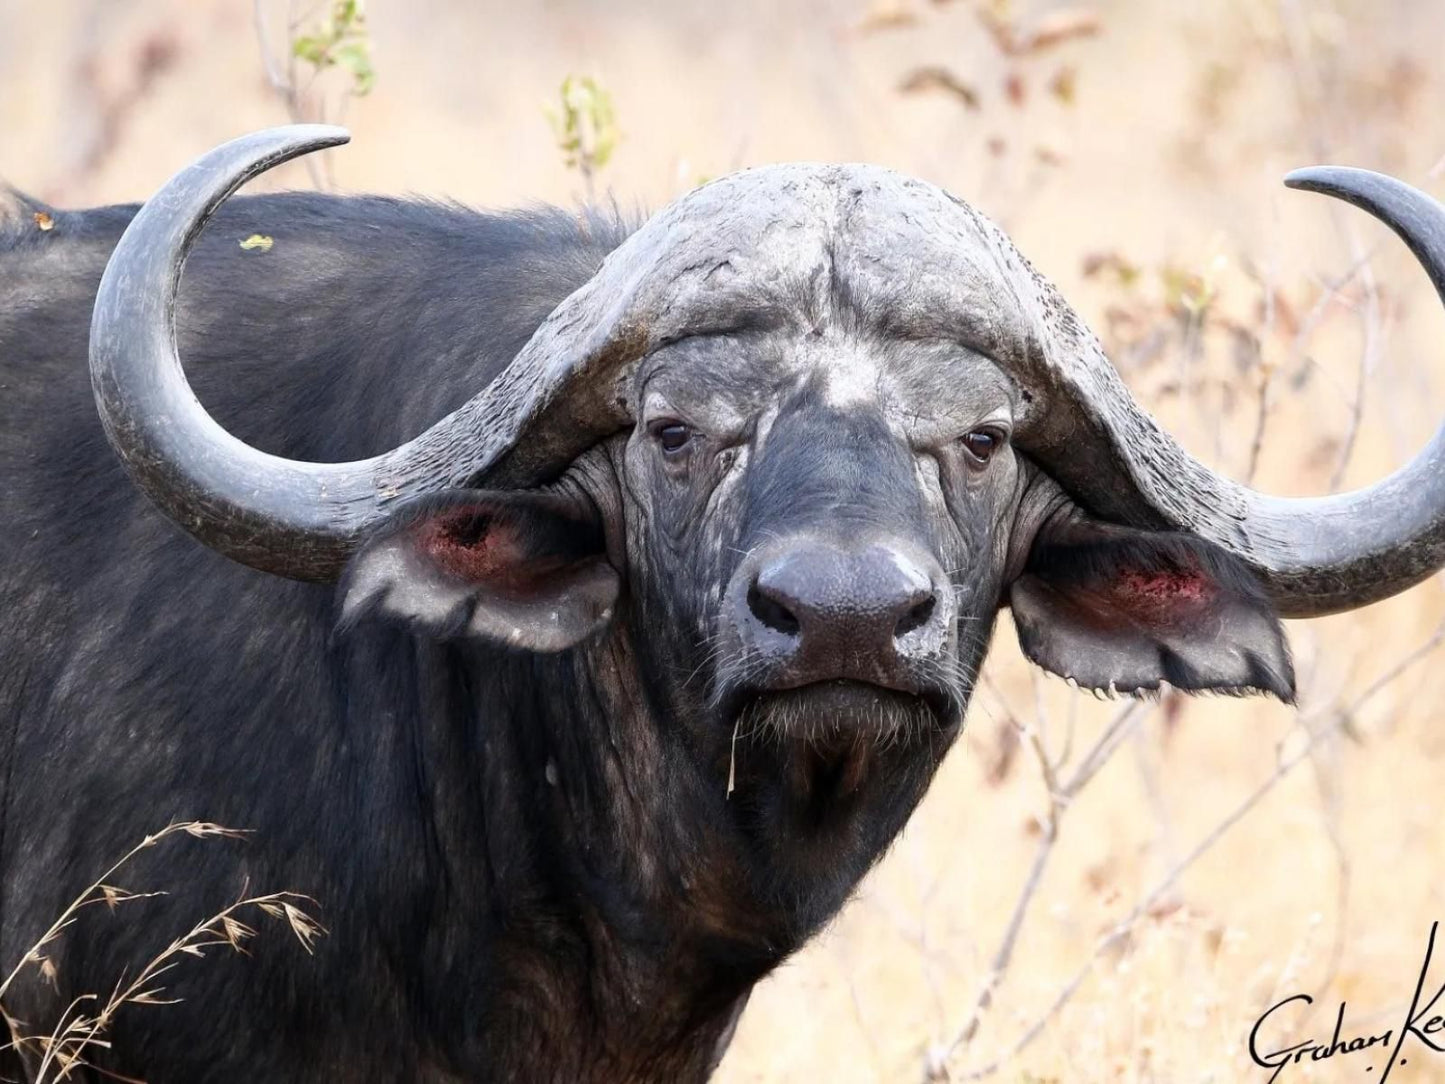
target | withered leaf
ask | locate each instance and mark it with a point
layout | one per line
(1048, 156)
(1053, 29)
(1065, 84)
(1060, 26)
(153, 997)
(43, 221)
(1015, 88)
(258, 242)
(887, 15)
(937, 78)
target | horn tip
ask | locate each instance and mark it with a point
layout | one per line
(1327, 179)
(314, 136)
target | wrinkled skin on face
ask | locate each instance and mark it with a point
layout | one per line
(766, 590)
(744, 491)
(830, 449)
(807, 534)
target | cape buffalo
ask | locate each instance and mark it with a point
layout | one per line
(641, 654)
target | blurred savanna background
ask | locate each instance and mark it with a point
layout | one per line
(1092, 891)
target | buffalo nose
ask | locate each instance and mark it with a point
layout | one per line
(830, 599)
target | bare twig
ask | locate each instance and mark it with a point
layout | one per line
(1329, 296)
(1337, 721)
(280, 81)
(1059, 796)
(1369, 355)
(338, 41)
(1121, 929)
(1261, 418)
(283, 82)
(1113, 735)
(1313, 91)
(938, 1057)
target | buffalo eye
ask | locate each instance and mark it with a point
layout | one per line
(981, 444)
(672, 437)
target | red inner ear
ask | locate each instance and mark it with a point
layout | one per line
(1163, 594)
(477, 546)
(469, 544)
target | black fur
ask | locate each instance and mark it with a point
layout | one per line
(399, 781)
(528, 863)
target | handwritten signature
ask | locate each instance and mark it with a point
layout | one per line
(1384, 1048)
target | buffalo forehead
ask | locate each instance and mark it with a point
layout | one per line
(843, 255)
(855, 249)
(828, 247)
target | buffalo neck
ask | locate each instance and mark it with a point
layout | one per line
(568, 893)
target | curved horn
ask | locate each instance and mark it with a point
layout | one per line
(296, 519)
(1316, 555)
(1335, 553)
(241, 501)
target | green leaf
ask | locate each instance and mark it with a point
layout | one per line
(348, 13)
(310, 49)
(355, 57)
(585, 125)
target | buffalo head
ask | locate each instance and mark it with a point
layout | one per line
(796, 443)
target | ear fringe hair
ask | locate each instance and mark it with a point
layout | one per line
(1264, 682)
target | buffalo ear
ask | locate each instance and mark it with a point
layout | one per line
(526, 570)
(1124, 610)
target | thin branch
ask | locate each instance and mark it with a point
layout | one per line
(1261, 418)
(1113, 735)
(937, 1068)
(1059, 797)
(1122, 928)
(1369, 355)
(1330, 294)
(284, 85)
(1337, 722)
(1266, 380)
(278, 79)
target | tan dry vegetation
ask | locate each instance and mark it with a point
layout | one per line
(61, 1049)
(1137, 161)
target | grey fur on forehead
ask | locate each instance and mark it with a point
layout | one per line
(915, 255)
(783, 233)
(767, 236)
(855, 251)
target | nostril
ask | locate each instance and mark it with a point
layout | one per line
(771, 612)
(916, 617)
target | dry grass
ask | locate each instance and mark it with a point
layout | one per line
(63, 1048)
(1222, 854)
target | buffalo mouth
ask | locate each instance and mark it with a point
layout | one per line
(831, 733)
(823, 711)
